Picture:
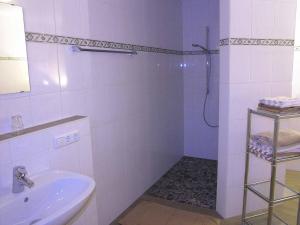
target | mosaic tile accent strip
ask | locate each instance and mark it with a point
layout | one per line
(250, 41)
(199, 52)
(56, 39)
(191, 181)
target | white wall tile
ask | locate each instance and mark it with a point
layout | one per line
(282, 64)
(6, 177)
(224, 19)
(86, 157)
(240, 64)
(31, 145)
(34, 163)
(38, 15)
(285, 20)
(45, 107)
(74, 69)
(224, 64)
(71, 18)
(281, 89)
(236, 137)
(43, 70)
(14, 106)
(76, 103)
(261, 64)
(242, 98)
(240, 19)
(5, 153)
(66, 158)
(101, 15)
(263, 19)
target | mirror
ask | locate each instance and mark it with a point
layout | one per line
(14, 77)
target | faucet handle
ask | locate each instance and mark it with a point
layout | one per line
(20, 171)
(20, 180)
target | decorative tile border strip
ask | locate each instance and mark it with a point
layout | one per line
(250, 41)
(199, 52)
(56, 39)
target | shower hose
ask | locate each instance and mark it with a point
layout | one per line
(208, 75)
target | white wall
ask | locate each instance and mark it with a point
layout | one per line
(36, 152)
(199, 139)
(138, 115)
(134, 102)
(249, 73)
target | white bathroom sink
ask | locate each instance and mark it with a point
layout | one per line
(54, 199)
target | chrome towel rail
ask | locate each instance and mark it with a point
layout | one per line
(77, 48)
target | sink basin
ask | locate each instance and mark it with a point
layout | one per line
(55, 198)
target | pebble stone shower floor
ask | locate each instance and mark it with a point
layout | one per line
(191, 181)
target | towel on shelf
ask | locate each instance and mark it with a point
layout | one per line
(266, 152)
(286, 137)
(287, 110)
(266, 146)
(280, 102)
(288, 142)
(261, 144)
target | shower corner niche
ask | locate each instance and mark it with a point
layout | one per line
(14, 77)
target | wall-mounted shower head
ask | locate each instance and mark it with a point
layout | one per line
(200, 46)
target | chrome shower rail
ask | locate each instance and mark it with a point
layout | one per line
(77, 48)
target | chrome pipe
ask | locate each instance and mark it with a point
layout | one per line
(77, 48)
(246, 167)
(273, 171)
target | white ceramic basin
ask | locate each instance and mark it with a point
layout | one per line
(54, 199)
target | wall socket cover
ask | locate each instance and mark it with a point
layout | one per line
(66, 139)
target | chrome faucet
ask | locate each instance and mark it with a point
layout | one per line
(20, 180)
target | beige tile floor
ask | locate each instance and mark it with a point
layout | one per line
(153, 211)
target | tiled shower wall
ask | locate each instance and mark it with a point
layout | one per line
(138, 115)
(248, 73)
(200, 140)
(134, 102)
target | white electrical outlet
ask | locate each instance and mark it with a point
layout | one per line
(66, 139)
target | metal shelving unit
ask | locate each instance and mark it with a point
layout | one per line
(271, 191)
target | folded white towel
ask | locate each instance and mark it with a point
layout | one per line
(281, 102)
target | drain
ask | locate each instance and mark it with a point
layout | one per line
(34, 221)
(26, 199)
